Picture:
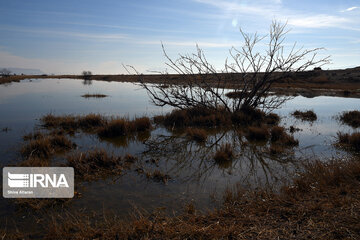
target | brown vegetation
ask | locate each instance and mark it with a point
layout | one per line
(201, 117)
(305, 116)
(322, 202)
(121, 127)
(279, 136)
(43, 146)
(351, 118)
(94, 95)
(158, 176)
(112, 127)
(351, 141)
(98, 164)
(224, 154)
(258, 133)
(197, 134)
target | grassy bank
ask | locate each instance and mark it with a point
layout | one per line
(322, 202)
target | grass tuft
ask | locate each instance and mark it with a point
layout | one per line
(351, 118)
(305, 116)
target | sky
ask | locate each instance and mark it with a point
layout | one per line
(70, 36)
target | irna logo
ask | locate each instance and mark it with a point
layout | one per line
(38, 182)
(16, 180)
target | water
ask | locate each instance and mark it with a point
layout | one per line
(194, 175)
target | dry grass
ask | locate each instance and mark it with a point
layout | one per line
(98, 164)
(305, 116)
(94, 95)
(200, 117)
(351, 141)
(112, 127)
(280, 137)
(121, 127)
(158, 176)
(351, 118)
(197, 134)
(258, 133)
(224, 154)
(43, 146)
(322, 202)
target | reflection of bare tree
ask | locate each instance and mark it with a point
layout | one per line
(190, 161)
(87, 82)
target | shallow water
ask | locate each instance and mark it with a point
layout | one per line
(194, 175)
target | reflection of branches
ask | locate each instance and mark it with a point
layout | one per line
(192, 161)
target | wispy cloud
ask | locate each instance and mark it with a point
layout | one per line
(277, 11)
(350, 9)
(49, 33)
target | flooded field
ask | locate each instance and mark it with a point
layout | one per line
(171, 169)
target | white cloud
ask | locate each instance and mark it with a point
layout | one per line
(350, 9)
(317, 21)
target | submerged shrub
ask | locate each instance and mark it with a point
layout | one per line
(351, 118)
(305, 116)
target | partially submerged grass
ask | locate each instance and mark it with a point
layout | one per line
(224, 154)
(98, 164)
(322, 202)
(197, 134)
(280, 137)
(351, 141)
(305, 115)
(158, 176)
(201, 117)
(105, 127)
(121, 127)
(94, 95)
(258, 133)
(43, 146)
(351, 118)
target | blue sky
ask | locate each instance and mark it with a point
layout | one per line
(71, 36)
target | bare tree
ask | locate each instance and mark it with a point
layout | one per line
(86, 75)
(249, 71)
(5, 72)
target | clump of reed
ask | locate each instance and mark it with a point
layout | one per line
(197, 134)
(224, 154)
(258, 133)
(305, 115)
(105, 127)
(351, 141)
(43, 146)
(121, 127)
(351, 118)
(94, 95)
(158, 176)
(98, 164)
(203, 117)
(279, 136)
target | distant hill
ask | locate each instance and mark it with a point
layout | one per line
(25, 71)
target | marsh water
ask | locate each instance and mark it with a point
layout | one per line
(194, 176)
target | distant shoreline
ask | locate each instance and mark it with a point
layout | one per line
(344, 82)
